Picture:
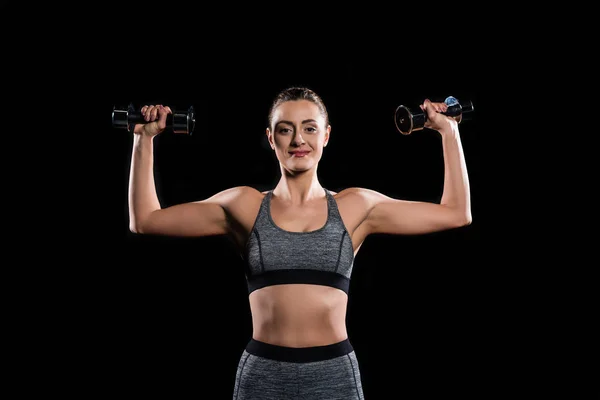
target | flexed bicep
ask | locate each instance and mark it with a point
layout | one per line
(403, 217)
(207, 217)
(190, 219)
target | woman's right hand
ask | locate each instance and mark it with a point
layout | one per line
(156, 117)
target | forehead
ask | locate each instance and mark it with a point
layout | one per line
(296, 111)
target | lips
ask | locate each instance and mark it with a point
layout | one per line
(299, 153)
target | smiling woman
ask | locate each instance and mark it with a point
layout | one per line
(298, 241)
(298, 128)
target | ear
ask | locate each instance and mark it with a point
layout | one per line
(327, 132)
(270, 138)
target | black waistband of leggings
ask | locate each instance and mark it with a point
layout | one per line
(299, 354)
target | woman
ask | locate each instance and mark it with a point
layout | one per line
(299, 241)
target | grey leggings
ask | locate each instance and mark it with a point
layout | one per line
(270, 372)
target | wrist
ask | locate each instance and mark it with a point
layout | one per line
(450, 131)
(142, 139)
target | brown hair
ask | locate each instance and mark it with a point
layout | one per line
(298, 93)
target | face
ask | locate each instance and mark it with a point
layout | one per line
(298, 126)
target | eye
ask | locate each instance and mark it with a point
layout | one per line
(284, 130)
(311, 129)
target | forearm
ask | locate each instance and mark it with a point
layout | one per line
(142, 191)
(456, 194)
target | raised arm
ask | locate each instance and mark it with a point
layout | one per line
(395, 216)
(201, 218)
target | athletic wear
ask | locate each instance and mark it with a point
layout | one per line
(275, 256)
(270, 372)
(323, 257)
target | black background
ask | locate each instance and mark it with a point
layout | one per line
(170, 317)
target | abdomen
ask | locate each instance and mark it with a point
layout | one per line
(299, 315)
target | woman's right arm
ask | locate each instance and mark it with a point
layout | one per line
(201, 218)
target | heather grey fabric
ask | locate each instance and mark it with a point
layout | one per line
(273, 255)
(334, 377)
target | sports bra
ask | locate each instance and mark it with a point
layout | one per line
(274, 256)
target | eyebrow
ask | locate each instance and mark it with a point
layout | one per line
(291, 123)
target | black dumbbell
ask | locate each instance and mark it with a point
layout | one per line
(178, 121)
(413, 119)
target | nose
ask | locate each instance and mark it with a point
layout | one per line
(298, 139)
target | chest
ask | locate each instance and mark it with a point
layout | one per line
(306, 218)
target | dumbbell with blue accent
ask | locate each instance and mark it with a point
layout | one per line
(408, 119)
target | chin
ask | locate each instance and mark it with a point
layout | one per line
(297, 168)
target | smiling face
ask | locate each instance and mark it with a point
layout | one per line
(298, 134)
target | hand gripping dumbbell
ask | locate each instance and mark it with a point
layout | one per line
(178, 121)
(413, 119)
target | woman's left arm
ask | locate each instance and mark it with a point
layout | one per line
(394, 216)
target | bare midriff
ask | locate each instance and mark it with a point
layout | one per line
(299, 315)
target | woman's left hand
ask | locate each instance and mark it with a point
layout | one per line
(436, 120)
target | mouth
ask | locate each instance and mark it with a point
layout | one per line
(299, 153)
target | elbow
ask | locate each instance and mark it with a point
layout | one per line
(461, 219)
(458, 217)
(466, 219)
(136, 227)
(133, 228)
(141, 223)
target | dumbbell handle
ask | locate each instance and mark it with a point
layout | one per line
(178, 121)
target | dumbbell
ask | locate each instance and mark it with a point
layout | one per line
(178, 121)
(408, 119)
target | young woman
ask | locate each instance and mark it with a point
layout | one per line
(299, 241)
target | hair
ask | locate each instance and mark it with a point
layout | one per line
(298, 93)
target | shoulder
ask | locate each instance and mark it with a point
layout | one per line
(236, 196)
(358, 199)
(240, 203)
(359, 194)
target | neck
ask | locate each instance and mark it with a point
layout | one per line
(299, 188)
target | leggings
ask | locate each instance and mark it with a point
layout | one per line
(271, 372)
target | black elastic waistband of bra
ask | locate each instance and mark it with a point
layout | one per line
(315, 277)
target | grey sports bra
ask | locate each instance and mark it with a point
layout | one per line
(321, 257)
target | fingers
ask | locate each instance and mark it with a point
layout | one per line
(154, 112)
(162, 114)
(154, 119)
(437, 107)
(149, 112)
(433, 108)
